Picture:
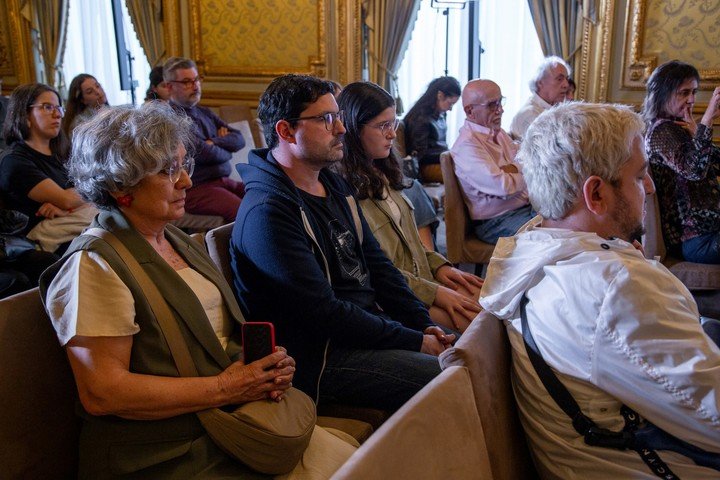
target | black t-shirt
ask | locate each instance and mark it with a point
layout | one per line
(349, 274)
(21, 168)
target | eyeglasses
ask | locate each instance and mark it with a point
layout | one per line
(387, 127)
(329, 118)
(175, 170)
(187, 83)
(495, 105)
(49, 108)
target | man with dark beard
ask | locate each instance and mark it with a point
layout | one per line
(620, 331)
(304, 258)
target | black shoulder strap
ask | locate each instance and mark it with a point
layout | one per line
(593, 435)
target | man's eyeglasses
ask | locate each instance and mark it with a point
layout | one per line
(329, 118)
(187, 83)
(175, 170)
(494, 105)
(49, 108)
(387, 127)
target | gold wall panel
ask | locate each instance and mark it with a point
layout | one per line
(16, 56)
(262, 38)
(662, 30)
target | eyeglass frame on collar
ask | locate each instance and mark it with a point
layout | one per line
(329, 118)
(49, 108)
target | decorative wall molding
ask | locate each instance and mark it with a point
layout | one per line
(658, 31)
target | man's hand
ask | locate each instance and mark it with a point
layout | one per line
(222, 131)
(509, 168)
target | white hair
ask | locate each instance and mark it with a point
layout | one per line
(571, 142)
(547, 64)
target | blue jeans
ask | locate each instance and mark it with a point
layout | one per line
(505, 225)
(383, 379)
(702, 249)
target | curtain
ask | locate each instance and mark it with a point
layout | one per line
(147, 19)
(559, 26)
(52, 16)
(389, 25)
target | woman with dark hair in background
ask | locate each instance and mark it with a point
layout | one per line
(425, 127)
(685, 164)
(370, 166)
(33, 179)
(85, 97)
(158, 88)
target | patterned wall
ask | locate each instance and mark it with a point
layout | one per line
(684, 29)
(259, 35)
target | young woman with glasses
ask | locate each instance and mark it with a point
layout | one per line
(85, 97)
(33, 178)
(370, 166)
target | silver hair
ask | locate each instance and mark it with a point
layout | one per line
(547, 64)
(571, 142)
(119, 146)
(176, 63)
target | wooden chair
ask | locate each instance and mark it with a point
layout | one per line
(39, 431)
(462, 245)
(236, 113)
(218, 246)
(701, 279)
(436, 434)
(484, 350)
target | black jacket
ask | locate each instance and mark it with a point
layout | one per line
(280, 275)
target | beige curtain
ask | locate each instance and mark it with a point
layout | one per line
(559, 26)
(51, 18)
(389, 25)
(147, 18)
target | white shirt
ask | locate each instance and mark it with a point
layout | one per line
(526, 115)
(487, 190)
(616, 328)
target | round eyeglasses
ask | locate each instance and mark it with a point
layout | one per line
(329, 118)
(49, 108)
(494, 105)
(175, 170)
(387, 127)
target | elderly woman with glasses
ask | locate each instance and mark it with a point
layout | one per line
(33, 176)
(371, 167)
(138, 414)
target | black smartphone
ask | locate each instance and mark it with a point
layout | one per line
(258, 340)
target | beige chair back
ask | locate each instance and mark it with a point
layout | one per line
(436, 434)
(39, 430)
(462, 245)
(218, 246)
(484, 350)
(237, 113)
(653, 242)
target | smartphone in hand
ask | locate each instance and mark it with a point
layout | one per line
(258, 340)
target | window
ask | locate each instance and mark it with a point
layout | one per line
(512, 54)
(91, 49)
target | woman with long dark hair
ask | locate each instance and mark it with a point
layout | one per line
(425, 127)
(685, 164)
(370, 166)
(85, 97)
(33, 179)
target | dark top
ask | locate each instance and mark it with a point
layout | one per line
(3, 112)
(425, 135)
(685, 170)
(211, 161)
(351, 281)
(21, 168)
(280, 274)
